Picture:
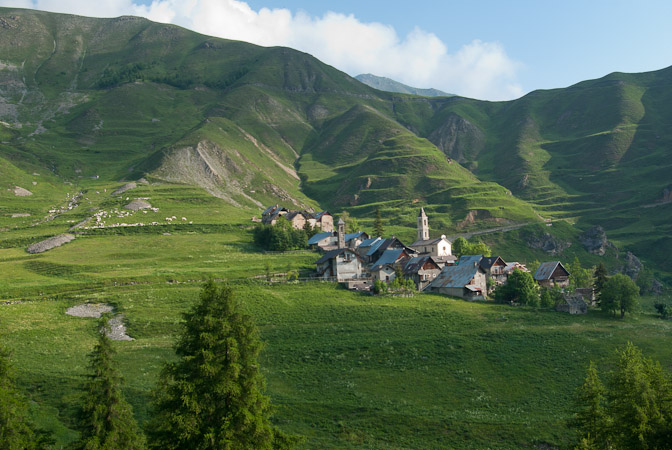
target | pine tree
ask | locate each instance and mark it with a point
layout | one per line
(15, 429)
(106, 419)
(212, 397)
(600, 277)
(378, 228)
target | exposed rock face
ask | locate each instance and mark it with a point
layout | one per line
(595, 240)
(21, 192)
(632, 266)
(126, 187)
(458, 138)
(548, 243)
(656, 287)
(137, 205)
(50, 243)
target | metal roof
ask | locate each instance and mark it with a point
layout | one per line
(459, 275)
(374, 246)
(318, 215)
(414, 264)
(269, 209)
(351, 236)
(389, 256)
(319, 236)
(367, 242)
(546, 269)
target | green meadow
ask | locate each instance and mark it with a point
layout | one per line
(343, 369)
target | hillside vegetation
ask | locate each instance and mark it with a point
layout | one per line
(96, 100)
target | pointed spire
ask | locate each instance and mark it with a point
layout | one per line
(422, 213)
(340, 221)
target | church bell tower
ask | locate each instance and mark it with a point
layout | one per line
(423, 226)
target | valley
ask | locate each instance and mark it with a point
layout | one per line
(208, 132)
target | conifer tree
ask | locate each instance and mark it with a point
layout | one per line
(600, 277)
(15, 429)
(591, 420)
(106, 419)
(378, 228)
(212, 397)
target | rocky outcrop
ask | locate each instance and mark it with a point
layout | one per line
(595, 241)
(548, 243)
(21, 192)
(137, 205)
(50, 243)
(126, 187)
(632, 266)
(458, 138)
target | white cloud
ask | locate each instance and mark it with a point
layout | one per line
(478, 69)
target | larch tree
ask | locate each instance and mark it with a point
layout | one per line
(105, 419)
(600, 277)
(212, 397)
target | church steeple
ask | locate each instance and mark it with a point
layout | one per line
(423, 226)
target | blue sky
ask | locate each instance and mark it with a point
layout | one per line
(492, 50)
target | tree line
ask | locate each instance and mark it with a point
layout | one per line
(212, 397)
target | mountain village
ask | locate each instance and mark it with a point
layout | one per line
(357, 261)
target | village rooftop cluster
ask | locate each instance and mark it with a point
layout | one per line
(357, 260)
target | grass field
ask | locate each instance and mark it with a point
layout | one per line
(345, 370)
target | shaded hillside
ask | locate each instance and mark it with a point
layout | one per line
(93, 100)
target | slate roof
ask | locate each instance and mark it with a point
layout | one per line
(488, 261)
(413, 264)
(351, 236)
(334, 253)
(318, 215)
(319, 236)
(546, 269)
(427, 242)
(269, 209)
(389, 256)
(458, 276)
(375, 246)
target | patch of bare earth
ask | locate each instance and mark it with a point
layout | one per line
(21, 192)
(50, 243)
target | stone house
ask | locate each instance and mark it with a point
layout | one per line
(421, 269)
(297, 219)
(272, 214)
(324, 241)
(552, 273)
(384, 267)
(343, 264)
(494, 269)
(322, 220)
(573, 304)
(466, 279)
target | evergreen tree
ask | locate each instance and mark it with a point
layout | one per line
(619, 293)
(212, 397)
(106, 419)
(591, 419)
(639, 402)
(15, 429)
(580, 277)
(378, 228)
(600, 277)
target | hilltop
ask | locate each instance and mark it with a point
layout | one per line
(90, 101)
(390, 85)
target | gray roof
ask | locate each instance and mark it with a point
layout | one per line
(318, 215)
(459, 275)
(293, 214)
(546, 269)
(374, 246)
(332, 254)
(269, 209)
(414, 264)
(389, 256)
(319, 236)
(368, 242)
(351, 236)
(488, 261)
(428, 242)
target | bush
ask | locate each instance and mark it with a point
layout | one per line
(280, 237)
(520, 288)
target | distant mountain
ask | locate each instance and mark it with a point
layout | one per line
(92, 100)
(389, 85)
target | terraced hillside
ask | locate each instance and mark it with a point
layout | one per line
(88, 101)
